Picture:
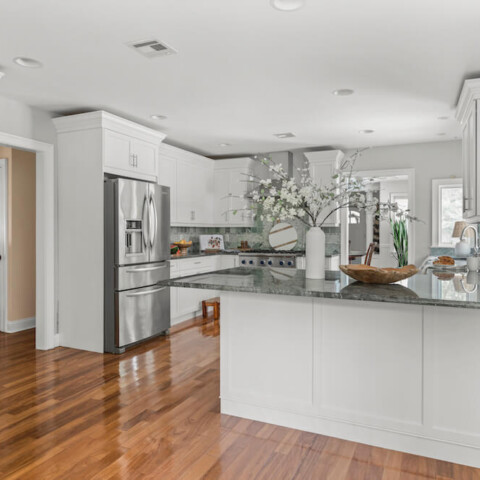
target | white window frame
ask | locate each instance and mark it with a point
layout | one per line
(437, 185)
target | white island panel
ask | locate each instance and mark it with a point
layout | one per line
(370, 362)
(452, 368)
(268, 358)
(402, 377)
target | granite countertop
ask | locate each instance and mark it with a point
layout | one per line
(455, 290)
(236, 252)
(203, 254)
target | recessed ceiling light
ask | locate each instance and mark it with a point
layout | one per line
(443, 118)
(441, 134)
(158, 117)
(343, 92)
(366, 131)
(287, 5)
(27, 62)
(284, 135)
(224, 144)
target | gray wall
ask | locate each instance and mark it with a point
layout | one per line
(20, 119)
(430, 160)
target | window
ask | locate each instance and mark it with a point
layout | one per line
(447, 208)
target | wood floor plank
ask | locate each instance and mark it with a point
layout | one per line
(154, 413)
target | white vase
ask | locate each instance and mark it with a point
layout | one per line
(315, 254)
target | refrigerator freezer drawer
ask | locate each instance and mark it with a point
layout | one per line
(136, 276)
(141, 313)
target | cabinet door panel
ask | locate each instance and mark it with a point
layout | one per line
(187, 176)
(167, 175)
(117, 151)
(222, 197)
(239, 187)
(146, 157)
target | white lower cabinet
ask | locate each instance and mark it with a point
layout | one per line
(186, 303)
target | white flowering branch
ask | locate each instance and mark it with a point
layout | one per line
(285, 198)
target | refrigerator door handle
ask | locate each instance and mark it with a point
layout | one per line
(153, 229)
(148, 292)
(145, 221)
(147, 269)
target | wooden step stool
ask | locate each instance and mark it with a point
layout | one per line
(211, 302)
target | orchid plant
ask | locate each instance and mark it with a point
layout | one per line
(283, 198)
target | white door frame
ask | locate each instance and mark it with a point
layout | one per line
(410, 173)
(45, 236)
(3, 243)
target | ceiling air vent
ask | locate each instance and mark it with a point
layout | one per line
(152, 48)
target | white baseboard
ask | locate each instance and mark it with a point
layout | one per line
(19, 325)
(447, 451)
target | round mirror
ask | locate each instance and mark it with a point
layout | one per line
(282, 236)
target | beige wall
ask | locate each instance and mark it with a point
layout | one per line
(21, 233)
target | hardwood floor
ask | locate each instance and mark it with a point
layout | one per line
(153, 413)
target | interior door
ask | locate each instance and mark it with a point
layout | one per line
(3, 244)
(159, 223)
(132, 222)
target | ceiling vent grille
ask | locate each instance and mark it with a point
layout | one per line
(152, 48)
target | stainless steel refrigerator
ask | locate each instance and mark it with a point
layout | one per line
(137, 253)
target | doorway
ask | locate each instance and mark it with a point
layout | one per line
(17, 239)
(45, 334)
(360, 229)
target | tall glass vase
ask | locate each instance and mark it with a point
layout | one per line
(315, 254)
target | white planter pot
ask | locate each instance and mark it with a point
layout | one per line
(315, 254)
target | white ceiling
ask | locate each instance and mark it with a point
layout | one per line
(245, 71)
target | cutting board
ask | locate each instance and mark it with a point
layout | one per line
(211, 242)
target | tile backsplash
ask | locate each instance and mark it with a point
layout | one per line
(257, 236)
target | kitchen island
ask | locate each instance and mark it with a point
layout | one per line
(395, 366)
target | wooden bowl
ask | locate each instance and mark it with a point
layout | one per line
(382, 276)
(183, 247)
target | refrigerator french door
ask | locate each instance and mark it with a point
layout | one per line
(137, 250)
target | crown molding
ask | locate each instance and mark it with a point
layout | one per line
(102, 119)
(470, 92)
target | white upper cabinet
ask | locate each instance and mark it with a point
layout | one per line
(468, 115)
(231, 188)
(128, 149)
(190, 178)
(128, 154)
(323, 165)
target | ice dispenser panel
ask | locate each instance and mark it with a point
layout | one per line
(133, 237)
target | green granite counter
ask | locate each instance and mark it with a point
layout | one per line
(459, 290)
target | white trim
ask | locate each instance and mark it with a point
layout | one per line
(102, 119)
(19, 325)
(470, 93)
(3, 240)
(45, 235)
(436, 184)
(410, 173)
(356, 432)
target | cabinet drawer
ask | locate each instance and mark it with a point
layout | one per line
(195, 264)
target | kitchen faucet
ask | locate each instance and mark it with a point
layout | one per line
(475, 235)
